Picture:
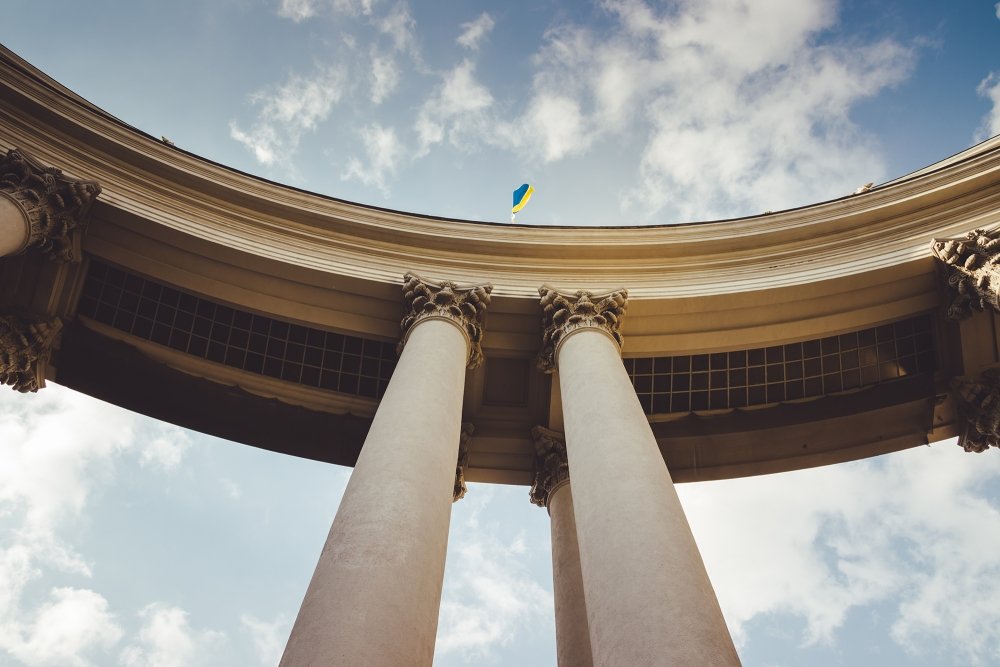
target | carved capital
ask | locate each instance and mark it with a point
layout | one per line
(25, 346)
(57, 206)
(563, 313)
(978, 403)
(465, 306)
(551, 467)
(463, 460)
(970, 271)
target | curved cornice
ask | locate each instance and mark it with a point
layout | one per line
(146, 178)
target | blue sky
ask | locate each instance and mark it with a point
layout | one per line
(125, 541)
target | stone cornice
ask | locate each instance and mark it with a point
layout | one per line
(978, 404)
(25, 346)
(566, 312)
(145, 178)
(551, 466)
(55, 205)
(969, 265)
(443, 299)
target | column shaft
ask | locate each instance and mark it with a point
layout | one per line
(572, 629)
(649, 599)
(15, 229)
(374, 597)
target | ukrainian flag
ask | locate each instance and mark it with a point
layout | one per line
(521, 197)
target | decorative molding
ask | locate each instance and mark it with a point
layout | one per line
(551, 466)
(563, 313)
(979, 407)
(465, 306)
(970, 270)
(25, 346)
(57, 206)
(463, 460)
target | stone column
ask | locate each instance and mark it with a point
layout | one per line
(25, 347)
(374, 597)
(41, 208)
(649, 599)
(551, 489)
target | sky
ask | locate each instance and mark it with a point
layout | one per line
(130, 542)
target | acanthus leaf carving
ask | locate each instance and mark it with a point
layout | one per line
(25, 346)
(551, 464)
(463, 460)
(970, 270)
(57, 206)
(978, 403)
(463, 305)
(564, 312)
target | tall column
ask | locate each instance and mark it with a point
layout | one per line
(374, 597)
(649, 599)
(551, 489)
(25, 347)
(41, 208)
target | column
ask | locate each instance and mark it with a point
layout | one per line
(41, 208)
(551, 489)
(374, 597)
(25, 347)
(649, 599)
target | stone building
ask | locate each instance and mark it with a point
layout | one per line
(425, 352)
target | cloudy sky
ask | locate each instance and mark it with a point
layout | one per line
(127, 542)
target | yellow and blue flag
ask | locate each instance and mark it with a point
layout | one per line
(521, 197)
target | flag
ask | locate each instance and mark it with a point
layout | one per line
(521, 197)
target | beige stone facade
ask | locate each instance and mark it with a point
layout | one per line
(624, 359)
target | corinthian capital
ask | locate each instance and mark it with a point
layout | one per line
(56, 206)
(551, 467)
(25, 346)
(563, 312)
(979, 406)
(970, 269)
(465, 306)
(463, 460)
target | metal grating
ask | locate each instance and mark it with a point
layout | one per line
(237, 338)
(783, 372)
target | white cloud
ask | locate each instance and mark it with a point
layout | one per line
(474, 32)
(231, 488)
(401, 27)
(383, 152)
(71, 624)
(268, 637)
(165, 452)
(297, 10)
(997, 9)
(990, 89)
(490, 596)
(456, 111)
(911, 530)
(384, 76)
(759, 120)
(287, 112)
(167, 640)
